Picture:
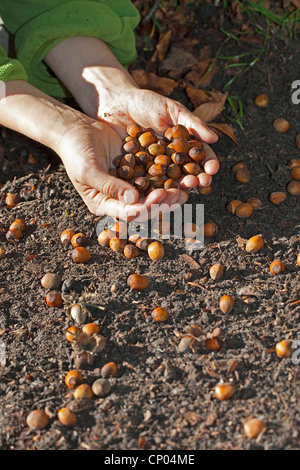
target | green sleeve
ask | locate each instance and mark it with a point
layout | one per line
(10, 69)
(38, 25)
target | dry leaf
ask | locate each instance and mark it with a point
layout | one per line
(197, 76)
(163, 44)
(177, 63)
(225, 129)
(210, 110)
(196, 96)
(162, 85)
(191, 262)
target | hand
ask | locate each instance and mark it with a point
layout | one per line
(87, 151)
(106, 91)
(149, 109)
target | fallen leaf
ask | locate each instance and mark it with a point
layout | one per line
(162, 85)
(225, 129)
(198, 76)
(177, 63)
(196, 96)
(163, 44)
(191, 262)
(210, 110)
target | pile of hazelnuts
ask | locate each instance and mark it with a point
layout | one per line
(149, 162)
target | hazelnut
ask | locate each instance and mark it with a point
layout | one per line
(186, 343)
(137, 282)
(276, 267)
(255, 244)
(209, 229)
(54, 299)
(157, 170)
(281, 125)
(66, 236)
(77, 313)
(143, 243)
(170, 183)
(180, 144)
(130, 251)
(197, 154)
(242, 175)
(298, 260)
(138, 171)
(11, 200)
(216, 271)
(141, 184)
(134, 238)
(134, 130)
(66, 417)
(160, 314)
(91, 329)
(205, 190)
(80, 254)
(174, 171)
(284, 348)
(237, 166)
(226, 303)
(223, 391)
(51, 281)
(253, 427)
(294, 162)
(132, 147)
(156, 251)
(156, 149)
(297, 140)
(72, 333)
(192, 168)
(2, 252)
(146, 139)
(18, 224)
(37, 419)
(178, 158)
(104, 237)
(125, 172)
(277, 197)
(213, 344)
(232, 206)
(245, 210)
(179, 131)
(117, 244)
(101, 387)
(14, 235)
(142, 158)
(156, 182)
(127, 159)
(73, 378)
(293, 188)
(168, 134)
(261, 101)
(162, 160)
(255, 201)
(109, 370)
(79, 239)
(83, 391)
(295, 173)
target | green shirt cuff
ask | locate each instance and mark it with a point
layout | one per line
(10, 69)
(75, 18)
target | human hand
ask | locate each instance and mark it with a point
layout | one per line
(87, 151)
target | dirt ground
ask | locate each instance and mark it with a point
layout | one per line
(161, 398)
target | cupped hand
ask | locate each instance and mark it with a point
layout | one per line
(87, 152)
(149, 109)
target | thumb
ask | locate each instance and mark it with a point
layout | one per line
(114, 188)
(193, 123)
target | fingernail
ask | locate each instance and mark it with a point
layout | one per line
(129, 196)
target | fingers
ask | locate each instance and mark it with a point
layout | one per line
(114, 188)
(210, 163)
(157, 201)
(194, 124)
